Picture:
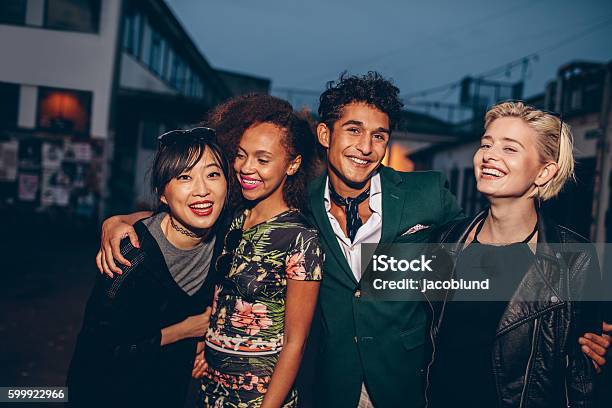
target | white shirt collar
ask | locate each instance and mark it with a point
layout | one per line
(375, 194)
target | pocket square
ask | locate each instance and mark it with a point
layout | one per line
(415, 228)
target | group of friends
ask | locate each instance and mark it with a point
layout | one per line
(249, 272)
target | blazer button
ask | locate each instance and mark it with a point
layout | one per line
(357, 293)
(554, 299)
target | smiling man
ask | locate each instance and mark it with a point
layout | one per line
(371, 353)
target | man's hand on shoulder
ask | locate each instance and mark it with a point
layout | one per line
(114, 229)
(596, 346)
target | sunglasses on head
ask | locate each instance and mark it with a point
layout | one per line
(203, 134)
(558, 116)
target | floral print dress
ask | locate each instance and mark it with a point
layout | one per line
(246, 330)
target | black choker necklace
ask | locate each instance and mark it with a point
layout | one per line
(183, 230)
(481, 224)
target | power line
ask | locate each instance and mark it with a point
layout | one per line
(512, 64)
(455, 84)
(452, 86)
(471, 25)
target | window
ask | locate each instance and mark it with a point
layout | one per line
(186, 88)
(73, 15)
(193, 86)
(13, 11)
(592, 134)
(198, 88)
(576, 99)
(132, 33)
(64, 111)
(163, 55)
(155, 53)
(9, 100)
(177, 76)
(166, 61)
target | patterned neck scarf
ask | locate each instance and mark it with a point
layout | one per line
(351, 205)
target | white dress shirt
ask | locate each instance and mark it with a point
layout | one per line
(369, 232)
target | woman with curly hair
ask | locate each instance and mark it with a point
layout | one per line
(263, 307)
(271, 262)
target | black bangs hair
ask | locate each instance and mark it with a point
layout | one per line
(174, 159)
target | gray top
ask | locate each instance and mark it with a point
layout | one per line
(188, 267)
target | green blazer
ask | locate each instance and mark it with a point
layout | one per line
(379, 343)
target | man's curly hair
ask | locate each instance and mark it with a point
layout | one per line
(233, 117)
(370, 88)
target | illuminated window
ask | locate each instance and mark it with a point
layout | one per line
(64, 111)
(12, 12)
(73, 15)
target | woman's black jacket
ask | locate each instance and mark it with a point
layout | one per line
(118, 360)
(536, 358)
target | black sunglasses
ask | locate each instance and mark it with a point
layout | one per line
(226, 259)
(203, 134)
(553, 113)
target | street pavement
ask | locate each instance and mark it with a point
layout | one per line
(45, 283)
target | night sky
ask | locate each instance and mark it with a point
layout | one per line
(420, 44)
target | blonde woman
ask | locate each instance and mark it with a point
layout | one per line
(519, 348)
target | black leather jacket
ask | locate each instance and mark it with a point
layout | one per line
(536, 358)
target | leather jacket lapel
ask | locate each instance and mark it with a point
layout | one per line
(540, 289)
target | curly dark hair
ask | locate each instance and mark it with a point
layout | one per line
(370, 88)
(233, 117)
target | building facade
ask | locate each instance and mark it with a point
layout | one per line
(86, 86)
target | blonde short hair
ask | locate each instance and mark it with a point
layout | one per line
(555, 141)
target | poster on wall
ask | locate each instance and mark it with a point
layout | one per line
(55, 187)
(29, 154)
(82, 151)
(77, 151)
(8, 161)
(52, 155)
(28, 185)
